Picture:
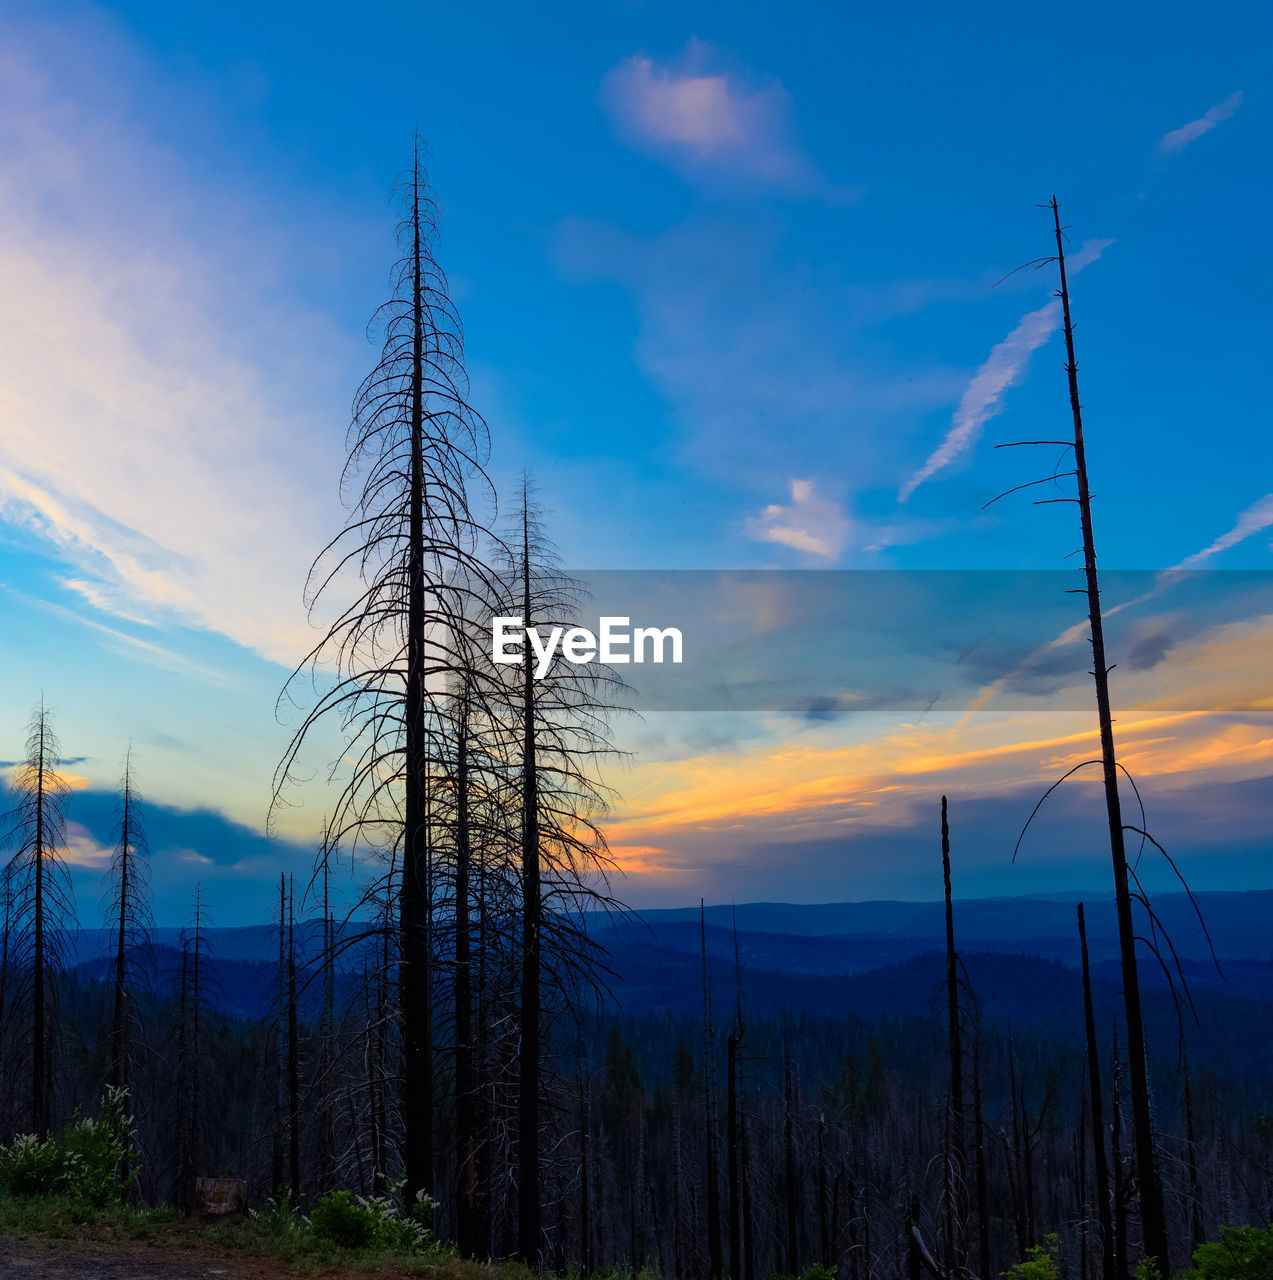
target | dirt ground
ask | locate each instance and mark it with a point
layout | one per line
(83, 1260)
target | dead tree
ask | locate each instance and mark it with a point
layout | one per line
(415, 447)
(189, 1080)
(790, 1189)
(7, 904)
(561, 718)
(1153, 1214)
(979, 1145)
(293, 1054)
(1096, 1110)
(738, 1206)
(954, 1182)
(327, 1056)
(711, 1157)
(278, 1041)
(129, 917)
(43, 907)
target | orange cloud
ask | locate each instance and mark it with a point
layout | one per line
(1201, 715)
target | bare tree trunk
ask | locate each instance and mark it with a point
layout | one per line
(121, 941)
(293, 1056)
(711, 1154)
(749, 1241)
(789, 1166)
(1119, 1184)
(465, 1074)
(415, 906)
(678, 1267)
(528, 1159)
(326, 1043)
(979, 1140)
(40, 1069)
(1096, 1105)
(196, 1038)
(1153, 1215)
(280, 1056)
(1196, 1225)
(731, 1155)
(957, 1206)
(824, 1239)
(585, 1175)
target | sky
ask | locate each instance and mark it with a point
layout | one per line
(738, 286)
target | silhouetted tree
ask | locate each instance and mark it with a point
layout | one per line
(129, 920)
(43, 907)
(414, 445)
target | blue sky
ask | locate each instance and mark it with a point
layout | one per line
(728, 281)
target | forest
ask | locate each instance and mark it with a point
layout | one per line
(456, 1040)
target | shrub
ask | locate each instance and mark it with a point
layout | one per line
(1039, 1264)
(280, 1220)
(348, 1221)
(1241, 1253)
(340, 1219)
(29, 1167)
(90, 1163)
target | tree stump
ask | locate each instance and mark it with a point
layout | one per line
(217, 1198)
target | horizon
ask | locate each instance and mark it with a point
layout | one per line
(751, 355)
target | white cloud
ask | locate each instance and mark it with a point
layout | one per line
(1178, 139)
(1255, 519)
(1004, 367)
(812, 525)
(153, 428)
(704, 121)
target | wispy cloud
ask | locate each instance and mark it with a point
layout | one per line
(1255, 519)
(1178, 139)
(809, 524)
(120, 642)
(738, 338)
(704, 121)
(151, 440)
(1003, 368)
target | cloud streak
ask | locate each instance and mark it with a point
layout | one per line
(1255, 519)
(1177, 140)
(1004, 368)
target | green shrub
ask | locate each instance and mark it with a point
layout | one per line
(355, 1222)
(280, 1220)
(89, 1163)
(29, 1167)
(1241, 1253)
(1039, 1264)
(340, 1219)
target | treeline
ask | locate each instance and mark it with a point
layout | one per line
(835, 1147)
(436, 1045)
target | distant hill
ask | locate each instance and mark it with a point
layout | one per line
(852, 937)
(1241, 923)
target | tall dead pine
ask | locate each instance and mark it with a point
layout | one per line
(955, 1195)
(1097, 1112)
(128, 914)
(1153, 1215)
(42, 908)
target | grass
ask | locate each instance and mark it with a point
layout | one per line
(275, 1234)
